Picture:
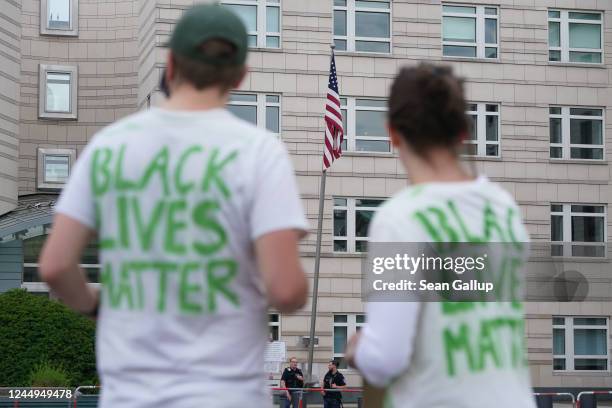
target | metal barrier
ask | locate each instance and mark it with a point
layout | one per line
(79, 399)
(593, 393)
(83, 398)
(541, 403)
(18, 403)
(350, 396)
(78, 389)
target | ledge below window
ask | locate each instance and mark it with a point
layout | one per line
(597, 65)
(309, 254)
(587, 373)
(265, 49)
(469, 59)
(363, 54)
(579, 161)
(482, 158)
(577, 259)
(371, 154)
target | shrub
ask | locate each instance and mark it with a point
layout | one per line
(46, 375)
(35, 329)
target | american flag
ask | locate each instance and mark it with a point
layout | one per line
(334, 131)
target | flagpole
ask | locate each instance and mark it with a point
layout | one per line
(315, 285)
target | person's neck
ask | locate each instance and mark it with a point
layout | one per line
(441, 165)
(334, 371)
(187, 98)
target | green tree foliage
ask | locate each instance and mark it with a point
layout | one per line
(35, 330)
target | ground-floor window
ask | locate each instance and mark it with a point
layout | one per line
(274, 326)
(345, 326)
(32, 248)
(580, 343)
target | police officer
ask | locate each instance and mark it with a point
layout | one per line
(292, 378)
(333, 380)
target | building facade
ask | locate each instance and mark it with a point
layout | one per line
(538, 75)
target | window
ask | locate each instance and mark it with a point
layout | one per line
(362, 26)
(345, 326)
(364, 125)
(32, 248)
(54, 167)
(575, 36)
(259, 109)
(274, 326)
(483, 138)
(352, 218)
(576, 133)
(57, 92)
(262, 19)
(578, 230)
(470, 31)
(580, 343)
(59, 17)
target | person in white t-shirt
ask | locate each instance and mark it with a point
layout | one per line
(442, 353)
(198, 218)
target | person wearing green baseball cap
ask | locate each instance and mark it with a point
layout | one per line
(183, 199)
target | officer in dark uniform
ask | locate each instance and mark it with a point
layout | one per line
(333, 380)
(292, 378)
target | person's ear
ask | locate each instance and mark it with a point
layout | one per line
(170, 68)
(394, 136)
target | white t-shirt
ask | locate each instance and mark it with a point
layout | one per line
(177, 199)
(431, 353)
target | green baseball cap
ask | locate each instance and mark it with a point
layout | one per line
(205, 22)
